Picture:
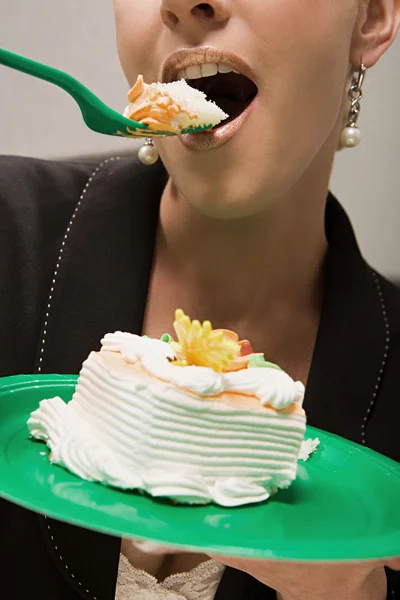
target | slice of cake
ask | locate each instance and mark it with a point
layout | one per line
(196, 420)
(171, 107)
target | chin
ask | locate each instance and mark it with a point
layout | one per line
(222, 189)
(226, 198)
(250, 174)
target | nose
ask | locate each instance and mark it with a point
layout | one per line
(193, 18)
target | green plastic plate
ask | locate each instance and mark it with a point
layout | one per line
(344, 505)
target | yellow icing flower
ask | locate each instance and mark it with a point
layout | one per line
(199, 345)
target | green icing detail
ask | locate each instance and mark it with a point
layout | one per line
(146, 337)
(258, 361)
(166, 338)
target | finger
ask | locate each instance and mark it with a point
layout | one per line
(394, 563)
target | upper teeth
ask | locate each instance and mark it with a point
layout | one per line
(206, 70)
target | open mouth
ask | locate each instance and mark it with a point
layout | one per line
(233, 92)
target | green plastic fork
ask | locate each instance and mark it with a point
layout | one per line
(97, 115)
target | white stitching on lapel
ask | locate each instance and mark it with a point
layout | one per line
(384, 360)
(60, 257)
(43, 341)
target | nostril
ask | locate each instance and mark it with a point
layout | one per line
(203, 10)
(169, 17)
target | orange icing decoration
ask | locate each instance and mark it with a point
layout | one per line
(240, 361)
(154, 107)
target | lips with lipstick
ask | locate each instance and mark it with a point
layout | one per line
(226, 79)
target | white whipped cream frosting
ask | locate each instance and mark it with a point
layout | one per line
(154, 436)
(272, 387)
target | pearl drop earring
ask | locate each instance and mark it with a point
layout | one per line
(350, 137)
(148, 154)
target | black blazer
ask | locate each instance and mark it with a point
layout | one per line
(76, 246)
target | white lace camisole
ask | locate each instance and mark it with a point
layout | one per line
(200, 583)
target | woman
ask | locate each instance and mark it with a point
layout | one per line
(235, 226)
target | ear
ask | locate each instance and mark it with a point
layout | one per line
(375, 30)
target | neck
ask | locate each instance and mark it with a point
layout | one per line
(278, 253)
(259, 275)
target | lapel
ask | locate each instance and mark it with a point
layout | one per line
(102, 287)
(349, 353)
(350, 345)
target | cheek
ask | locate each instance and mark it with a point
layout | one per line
(294, 21)
(138, 24)
(305, 46)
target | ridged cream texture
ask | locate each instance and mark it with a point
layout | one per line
(160, 439)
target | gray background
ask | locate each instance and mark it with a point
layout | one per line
(40, 120)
